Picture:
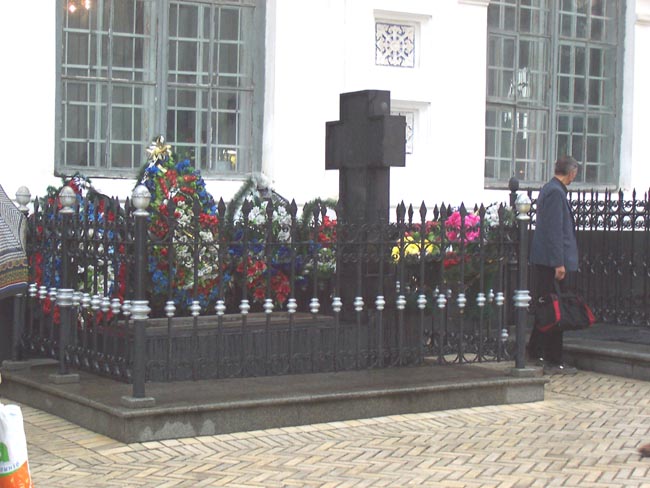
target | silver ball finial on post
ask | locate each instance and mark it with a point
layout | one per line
(522, 204)
(23, 197)
(68, 198)
(141, 198)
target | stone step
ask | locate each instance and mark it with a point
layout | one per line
(208, 407)
(610, 357)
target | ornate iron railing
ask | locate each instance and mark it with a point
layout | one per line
(614, 248)
(260, 290)
(267, 292)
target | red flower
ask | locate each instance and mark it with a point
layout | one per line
(121, 282)
(327, 231)
(452, 259)
(73, 184)
(47, 305)
(50, 308)
(163, 185)
(280, 286)
(207, 221)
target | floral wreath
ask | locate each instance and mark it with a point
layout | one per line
(108, 276)
(265, 269)
(177, 192)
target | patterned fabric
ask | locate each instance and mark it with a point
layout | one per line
(13, 258)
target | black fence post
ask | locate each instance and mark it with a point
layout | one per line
(513, 186)
(510, 313)
(521, 296)
(17, 329)
(68, 198)
(140, 305)
(23, 197)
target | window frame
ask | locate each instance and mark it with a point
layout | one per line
(250, 126)
(553, 108)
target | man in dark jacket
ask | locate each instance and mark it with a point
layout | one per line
(553, 254)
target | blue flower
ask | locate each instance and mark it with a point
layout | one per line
(182, 165)
(235, 250)
(152, 264)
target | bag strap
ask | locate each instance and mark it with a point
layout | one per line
(556, 285)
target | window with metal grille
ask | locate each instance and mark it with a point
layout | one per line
(553, 88)
(129, 70)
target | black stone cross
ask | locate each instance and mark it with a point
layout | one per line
(363, 145)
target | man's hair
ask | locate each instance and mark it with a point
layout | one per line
(565, 164)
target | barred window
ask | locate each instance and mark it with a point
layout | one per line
(129, 70)
(553, 83)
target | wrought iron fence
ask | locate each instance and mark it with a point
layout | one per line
(265, 291)
(174, 294)
(614, 248)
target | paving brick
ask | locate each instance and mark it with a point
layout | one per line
(584, 434)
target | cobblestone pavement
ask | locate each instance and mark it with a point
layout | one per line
(584, 434)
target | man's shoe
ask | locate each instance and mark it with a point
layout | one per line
(559, 369)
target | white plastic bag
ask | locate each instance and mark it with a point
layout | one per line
(14, 469)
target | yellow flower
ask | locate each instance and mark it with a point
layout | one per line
(412, 248)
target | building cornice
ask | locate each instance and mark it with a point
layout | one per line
(476, 3)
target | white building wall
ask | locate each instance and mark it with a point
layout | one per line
(316, 50)
(305, 62)
(640, 127)
(316, 61)
(27, 83)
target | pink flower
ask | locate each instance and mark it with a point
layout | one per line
(471, 227)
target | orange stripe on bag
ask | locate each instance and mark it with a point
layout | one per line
(17, 479)
(14, 467)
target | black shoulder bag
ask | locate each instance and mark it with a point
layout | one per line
(562, 311)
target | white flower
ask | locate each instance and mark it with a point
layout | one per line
(257, 216)
(283, 217)
(206, 236)
(492, 215)
(205, 270)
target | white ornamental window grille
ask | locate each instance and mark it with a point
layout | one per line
(394, 45)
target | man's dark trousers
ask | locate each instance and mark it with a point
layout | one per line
(546, 344)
